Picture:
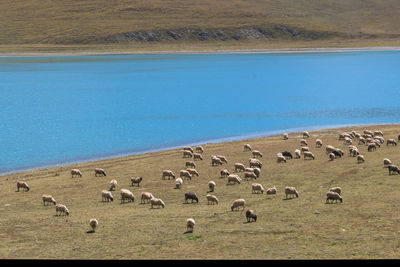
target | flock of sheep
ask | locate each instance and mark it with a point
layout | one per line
(373, 140)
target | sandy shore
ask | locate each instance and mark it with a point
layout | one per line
(222, 51)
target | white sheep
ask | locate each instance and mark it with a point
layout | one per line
(271, 191)
(250, 175)
(280, 159)
(318, 143)
(285, 136)
(247, 147)
(145, 197)
(199, 149)
(192, 172)
(297, 153)
(308, 154)
(333, 196)
(238, 203)
(329, 149)
(211, 198)
(216, 161)
(197, 156)
(391, 142)
(224, 173)
(360, 159)
(178, 183)
(157, 202)
(331, 156)
(167, 173)
(336, 189)
(306, 134)
(187, 154)
(62, 209)
(222, 158)
(303, 142)
(239, 167)
(387, 162)
(256, 188)
(99, 172)
(76, 172)
(48, 199)
(106, 196)
(190, 224)
(188, 148)
(113, 184)
(190, 164)
(23, 185)
(234, 178)
(211, 186)
(136, 180)
(290, 191)
(255, 163)
(93, 223)
(126, 194)
(256, 154)
(184, 173)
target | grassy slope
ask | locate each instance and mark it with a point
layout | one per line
(86, 24)
(363, 226)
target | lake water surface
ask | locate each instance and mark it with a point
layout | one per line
(57, 110)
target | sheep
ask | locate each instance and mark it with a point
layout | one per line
(247, 147)
(238, 203)
(145, 197)
(216, 161)
(100, 172)
(211, 186)
(255, 163)
(360, 159)
(391, 142)
(336, 189)
(257, 171)
(76, 172)
(306, 134)
(187, 154)
(251, 216)
(113, 184)
(126, 194)
(371, 147)
(184, 173)
(305, 148)
(380, 139)
(188, 148)
(285, 136)
(23, 185)
(193, 172)
(393, 168)
(271, 191)
(280, 159)
(48, 199)
(297, 153)
(387, 162)
(224, 173)
(190, 164)
(256, 188)
(338, 153)
(250, 175)
(308, 154)
(378, 133)
(199, 149)
(368, 132)
(287, 154)
(62, 209)
(197, 156)
(318, 143)
(342, 136)
(303, 142)
(211, 199)
(178, 183)
(167, 173)
(222, 158)
(289, 191)
(331, 156)
(361, 141)
(329, 149)
(355, 152)
(347, 141)
(93, 223)
(106, 196)
(256, 154)
(136, 180)
(157, 202)
(190, 224)
(234, 178)
(333, 196)
(192, 196)
(239, 167)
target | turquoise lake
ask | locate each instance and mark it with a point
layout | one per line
(58, 110)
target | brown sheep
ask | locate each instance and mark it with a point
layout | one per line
(251, 216)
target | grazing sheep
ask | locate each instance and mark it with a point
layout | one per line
(329, 149)
(287, 154)
(247, 147)
(393, 168)
(355, 152)
(184, 173)
(280, 159)
(338, 153)
(126, 194)
(113, 184)
(308, 154)
(93, 223)
(250, 175)
(157, 202)
(192, 196)
(190, 224)
(380, 139)
(99, 172)
(306, 134)
(251, 216)
(285, 136)
(318, 143)
(190, 164)
(368, 132)
(391, 142)
(303, 142)
(62, 209)
(76, 172)
(333, 196)
(188, 148)
(234, 178)
(342, 136)
(216, 161)
(211, 186)
(290, 191)
(193, 172)
(257, 171)
(197, 156)
(211, 198)
(199, 149)
(222, 158)
(348, 141)
(336, 189)
(255, 163)
(167, 173)
(136, 180)
(145, 197)
(48, 199)
(305, 148)
(238, 203)
(387, 162)
(271, 191)
(23, 185)
(331, 156)
(256, 188)
(378, 133)
(297, 153)
(178, 183)
(360, 159)
(239, 167)
(361, 141)
(224, 173)
(187, 154)
(106, 196)
(256, 154)
(371, 147)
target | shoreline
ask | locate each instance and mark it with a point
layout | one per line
(221, 140)
(213, 51)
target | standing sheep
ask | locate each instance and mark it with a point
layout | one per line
(256, 154)
(290, 191)
(187, 154)
(250, 175)
(23, 185)
(184, 173)
(239, 166)
(190, 225)
(247, 147)
(157, 202)
(190, 164)
(280, 159)
(76, 172)
(106, 196)
(192, 196)
(331, 156)
(306, 134)
(211, 186)
(285, 136)
(136, 180)
(211, 198)
(145, 197)
(333, 196)
(256, 188)
(234, 178)
(360, 159)
(62, 209)
(224, 173)
(193, 172)
(197, 156)
(318, 143)
(93, 224)
(99, 172)
(308, 154)
(271, 191)
(113, 184)
(297, 153)
(251, 216)
(391, 142)
(238, 203)
(199, 149)
(216, 161)
(178, 183)
(336, 189)
(188, 148)
(387, 162)
(126, 194)
(222, 158)
(48, 199)
(167, 173)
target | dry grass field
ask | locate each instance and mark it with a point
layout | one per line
(151, 25)
(364, 226)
